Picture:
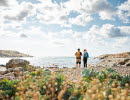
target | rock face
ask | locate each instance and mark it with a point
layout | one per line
(120, 55)
(115, 60)
(12, 53)
(15, 68)
(17, 63)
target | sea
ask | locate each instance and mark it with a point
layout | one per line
(50, 61)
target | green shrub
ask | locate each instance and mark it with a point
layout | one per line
(7, 87)
(88, 74)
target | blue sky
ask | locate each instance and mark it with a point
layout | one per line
(59, 27)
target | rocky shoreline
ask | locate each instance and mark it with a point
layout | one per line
(120, 62)
(14, 67)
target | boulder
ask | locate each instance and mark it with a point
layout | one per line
(9, 74)
(15, 69)
(10, 69)
(13, 63)
(2, 70)
(48, 70)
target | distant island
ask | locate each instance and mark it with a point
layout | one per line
(12, 53)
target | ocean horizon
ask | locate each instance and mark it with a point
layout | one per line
(50, 61)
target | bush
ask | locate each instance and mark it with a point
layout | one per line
(8, 87)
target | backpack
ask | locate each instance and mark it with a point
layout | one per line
(78, 54)
(86, 55)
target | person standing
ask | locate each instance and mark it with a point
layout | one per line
(85, 57)
(78, 55)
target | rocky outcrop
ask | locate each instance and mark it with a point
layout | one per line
(115, 60)
(13, 69)
(17, 63)
(120, 55)
(10, 73)
(12, 53)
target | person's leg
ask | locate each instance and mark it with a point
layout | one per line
(84, 62)
(79, 63)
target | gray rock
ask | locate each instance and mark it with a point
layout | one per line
(48, 69)
(13, 63)
(2, 70)
(20, 69)
(9, 74)
(10, 69)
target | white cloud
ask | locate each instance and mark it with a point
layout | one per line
(121, 42)
(8, 3)
(107, 15)
(107, 31)
(34, 33)
(23, 36)
(102, 7)
(7, 33)
(111, 31)
(82, 20)
(15, 15)
(73, 5)
(124, 11)
(24, 10)
(52, 13)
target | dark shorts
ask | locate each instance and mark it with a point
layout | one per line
(78, 60)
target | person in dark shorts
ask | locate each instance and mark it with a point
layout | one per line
(85, 57)
(78, 55)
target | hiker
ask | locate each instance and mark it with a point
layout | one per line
(78, 55)
(85, 57)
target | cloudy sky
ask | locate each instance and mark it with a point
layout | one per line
(59, 27)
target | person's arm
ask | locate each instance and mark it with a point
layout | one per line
(81, 53)
(88, 54)
(75, 53)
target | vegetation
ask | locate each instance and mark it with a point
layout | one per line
(46, 85)
(7, 88)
